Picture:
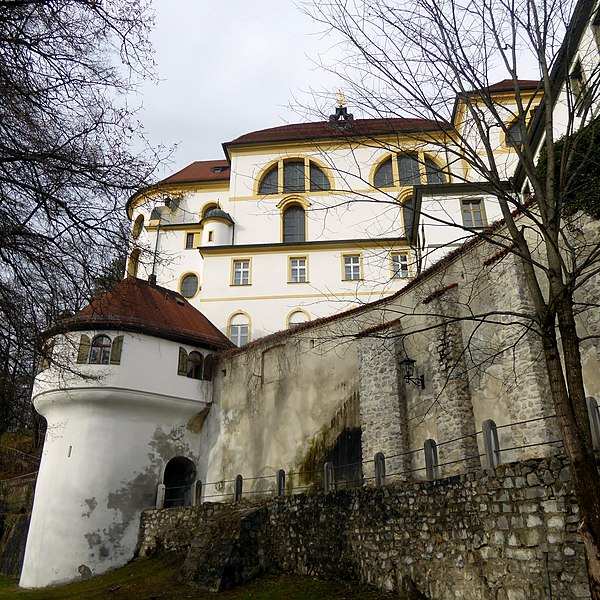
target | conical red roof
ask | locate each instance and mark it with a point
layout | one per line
(136, 305)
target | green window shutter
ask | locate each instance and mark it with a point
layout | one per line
(182, 366)
(84, 349)
(115, 350)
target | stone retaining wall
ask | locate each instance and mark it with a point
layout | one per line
(498, 534)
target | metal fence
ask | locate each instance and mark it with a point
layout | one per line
(421, 464)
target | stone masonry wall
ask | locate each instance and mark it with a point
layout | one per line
(450, 380)
(504, 534)
(525, 376)
(382, 404)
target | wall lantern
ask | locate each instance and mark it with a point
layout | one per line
(407, 366)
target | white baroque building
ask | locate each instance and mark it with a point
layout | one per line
(145, 393)
(304, 221)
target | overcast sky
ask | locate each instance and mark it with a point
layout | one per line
(229, 68)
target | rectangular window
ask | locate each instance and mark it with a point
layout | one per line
(238, 334)
(241, 272)
(189, 241)
(579, 89)
(352, 267)
(211, 236)
(298, 273)
(472, 211)
(400, 268)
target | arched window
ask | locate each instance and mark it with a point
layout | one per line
(318, 179)
(100, 350)
(384, 176)
(294, 224)
(189, 285)
(408, 169)
(490, 443)
(296, 318)
(298, 176)
(194, 365)
(137, 227)
(239, 329)
(134, 263)
(209, 363)
(433, 172)
(293, 176)
(410, 172)
(432, 464)
(270, 182)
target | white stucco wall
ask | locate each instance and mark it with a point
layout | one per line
(111, 431)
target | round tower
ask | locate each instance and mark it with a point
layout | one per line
(217, 228)
(128, 387)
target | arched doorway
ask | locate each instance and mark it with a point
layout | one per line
(180, 474)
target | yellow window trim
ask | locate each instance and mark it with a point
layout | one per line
(247, 259)
(235, 314)
(289, 269)
(279, 163)
(421, 156)
(182, 277)
(408, 261)
(482, 211)
(294, 311)
(343, 264)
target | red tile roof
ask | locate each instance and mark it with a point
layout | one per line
(201, 170)
(326, 129)
(135, 305)
(508, 85)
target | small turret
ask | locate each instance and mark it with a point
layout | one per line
(217, 228)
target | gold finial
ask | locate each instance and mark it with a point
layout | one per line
(341, 99)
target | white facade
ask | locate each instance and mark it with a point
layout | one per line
(357, 219)
(112, 429)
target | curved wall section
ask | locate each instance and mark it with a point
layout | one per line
(111, 431)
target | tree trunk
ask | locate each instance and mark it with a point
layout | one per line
(575, 431)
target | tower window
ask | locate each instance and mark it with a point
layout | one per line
(100, 350)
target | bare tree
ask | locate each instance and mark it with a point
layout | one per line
(415, 59)
(66, 160)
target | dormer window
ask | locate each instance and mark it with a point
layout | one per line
(299, 175)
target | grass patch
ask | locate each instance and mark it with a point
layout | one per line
(158, 579)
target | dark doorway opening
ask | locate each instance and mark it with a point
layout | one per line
(180, 474)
